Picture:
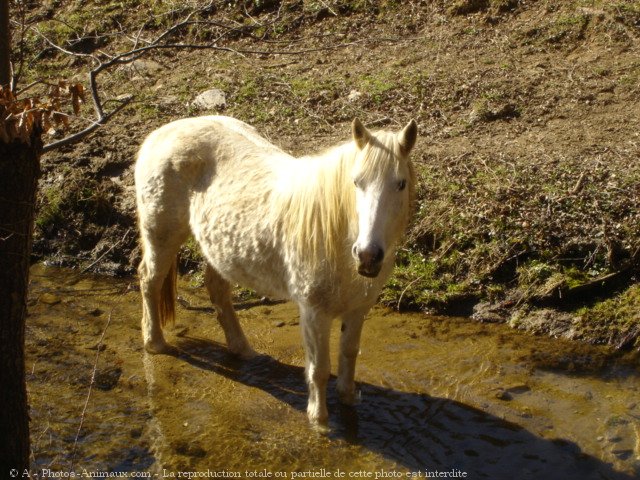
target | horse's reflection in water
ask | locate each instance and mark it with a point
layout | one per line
(415, 430)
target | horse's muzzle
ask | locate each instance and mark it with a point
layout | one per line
(369, 260)
(369, 271)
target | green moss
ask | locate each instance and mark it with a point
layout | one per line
(242, 294)
(481, 109)
(631, 76)
(376, 86)
(568, 26)
(248, 91)
(303, 86)
(50, 211)
(540, 277)
(146, 107)
(535, 271)
(623, 8)
(574, 276)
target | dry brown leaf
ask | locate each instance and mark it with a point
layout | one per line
(46, 121)
(20, 117)
(77, 96)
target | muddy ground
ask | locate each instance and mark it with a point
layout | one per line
(528, 153)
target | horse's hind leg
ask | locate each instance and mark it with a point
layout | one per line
(220, 295)
(156, 280)
(157, 272)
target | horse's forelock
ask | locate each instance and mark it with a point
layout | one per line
(382, 155)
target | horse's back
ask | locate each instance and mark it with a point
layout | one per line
(186, 155)
(184, 144)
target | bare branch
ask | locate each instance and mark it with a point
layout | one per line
(86, 269)
(58, 47)
(136, 40)
(76, 137)
(331, 10)
(161, 42)
(178, 26)
(91, 383)
(93, 85)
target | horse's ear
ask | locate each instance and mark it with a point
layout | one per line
(360, 133)
(407, 137)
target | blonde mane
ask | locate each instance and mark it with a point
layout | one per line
(317, 211)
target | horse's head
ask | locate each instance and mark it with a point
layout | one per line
(384, 181)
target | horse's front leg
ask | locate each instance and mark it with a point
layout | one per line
(220, 295)
(349, 348)
(315, 333)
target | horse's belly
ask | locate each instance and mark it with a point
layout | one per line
(263, 280)
(247, 258)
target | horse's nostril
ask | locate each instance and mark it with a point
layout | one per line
(370, 255)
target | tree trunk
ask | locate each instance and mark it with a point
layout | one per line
(19, 171)
(5, 44)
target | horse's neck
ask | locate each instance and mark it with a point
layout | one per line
(329, 174)
(311, 172)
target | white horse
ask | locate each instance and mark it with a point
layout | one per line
(320, 230)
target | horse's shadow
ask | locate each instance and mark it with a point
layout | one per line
(420, 432)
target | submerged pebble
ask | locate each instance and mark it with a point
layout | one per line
(49, 299)
(519, 388)
(503, 395)
(623, 454)
(107, 379)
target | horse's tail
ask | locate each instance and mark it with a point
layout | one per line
(168, 295)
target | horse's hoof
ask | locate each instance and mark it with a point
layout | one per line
(320, 425)
(321, 428)
(157, 348)
(245, 352)
(319, 419)
(349, 396)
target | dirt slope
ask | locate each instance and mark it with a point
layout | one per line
(528, 157)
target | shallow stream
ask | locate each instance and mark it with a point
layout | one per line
(442, 395)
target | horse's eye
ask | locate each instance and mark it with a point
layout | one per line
(358, 184)
(401, 185)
